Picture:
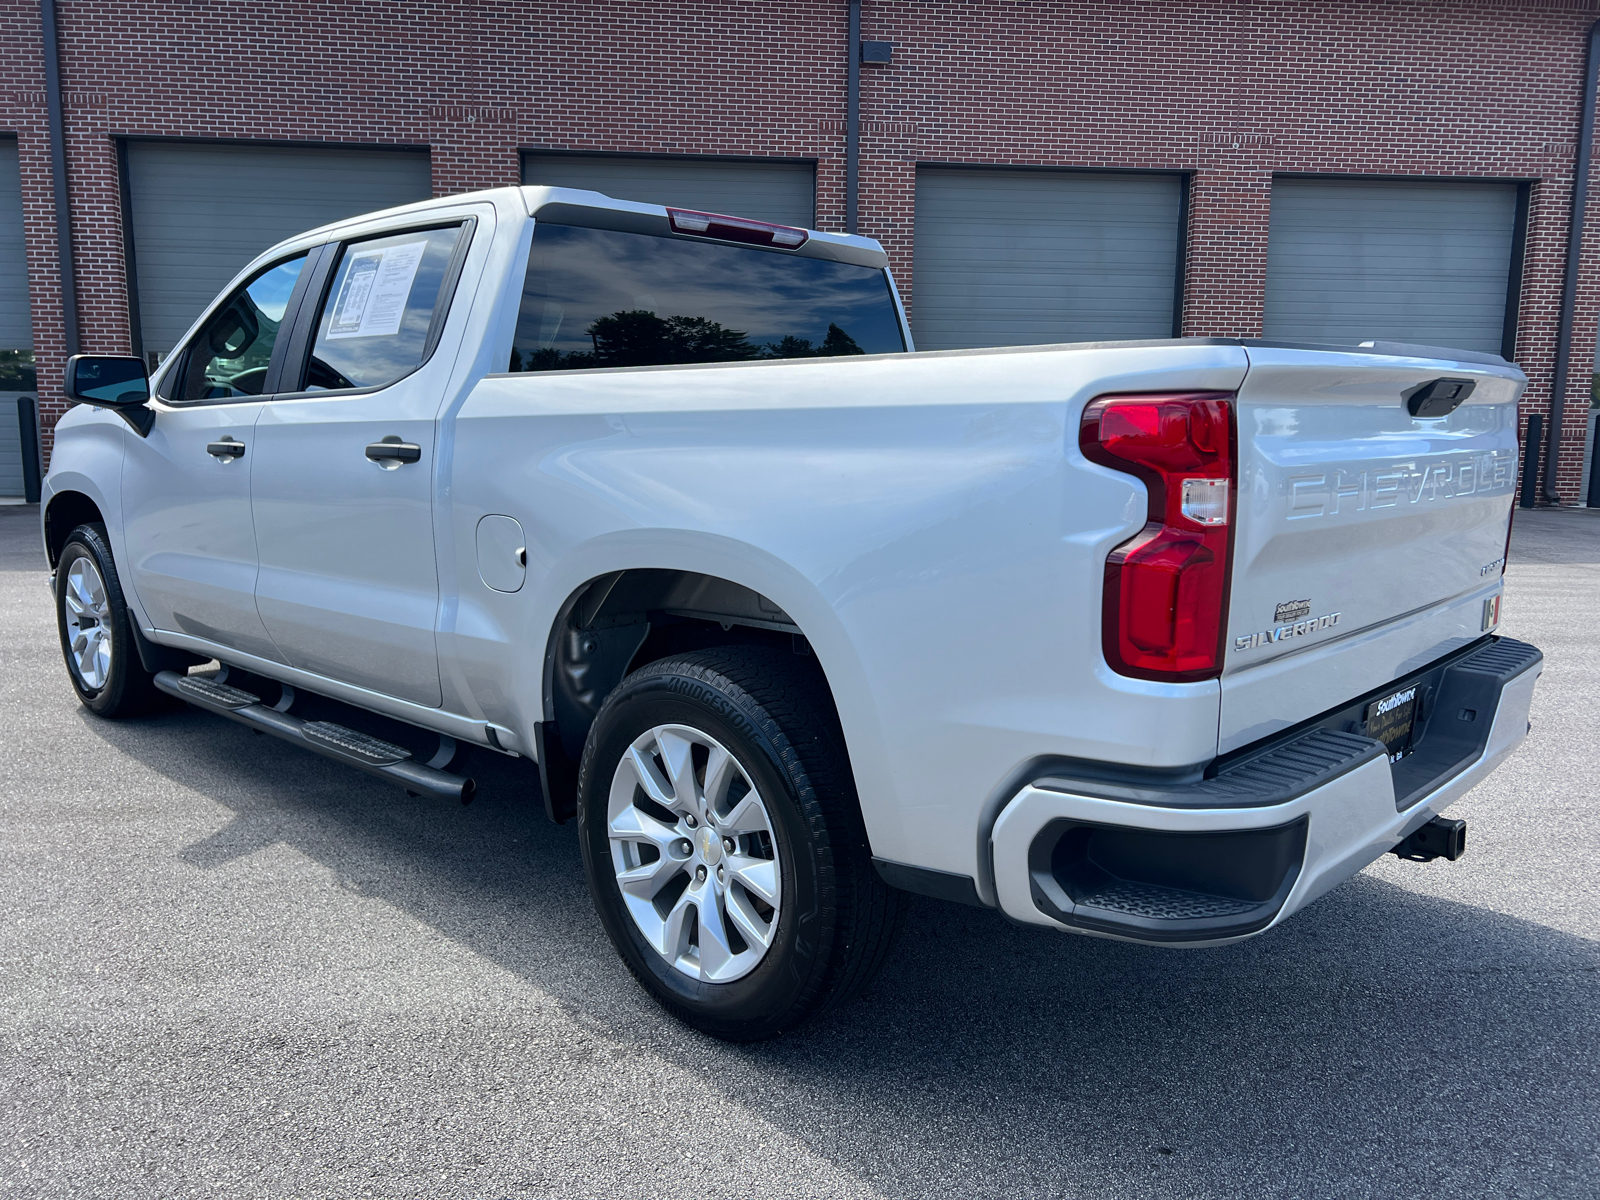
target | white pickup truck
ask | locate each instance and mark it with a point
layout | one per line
(1150, 640)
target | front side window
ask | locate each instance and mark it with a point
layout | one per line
(379, 309)
(230, 356)
(604, 298)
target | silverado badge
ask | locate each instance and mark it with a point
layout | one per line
(1283, 633)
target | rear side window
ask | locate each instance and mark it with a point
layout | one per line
(603, 298)
(380, 309)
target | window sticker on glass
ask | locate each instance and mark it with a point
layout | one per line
(372, 299)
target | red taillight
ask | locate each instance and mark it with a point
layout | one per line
(1166, 588)
(736, 229)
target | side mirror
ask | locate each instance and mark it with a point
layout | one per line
(113, 381)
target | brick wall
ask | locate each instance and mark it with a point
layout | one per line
(1231, 92)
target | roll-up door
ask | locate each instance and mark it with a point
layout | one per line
(763, 190)
(201, 211)
(16, 324)
(1017, 258)
(1349, 260)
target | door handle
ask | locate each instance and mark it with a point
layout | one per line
(226, 450)
(394, 451)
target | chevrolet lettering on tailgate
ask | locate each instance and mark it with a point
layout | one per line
(1329, 493)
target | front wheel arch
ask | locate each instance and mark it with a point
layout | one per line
(65, 512)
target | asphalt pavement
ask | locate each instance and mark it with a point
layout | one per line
(230, 968)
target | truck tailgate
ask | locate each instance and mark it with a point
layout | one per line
(1367, 540)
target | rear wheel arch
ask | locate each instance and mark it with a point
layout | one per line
(623, 620)
(801, 920)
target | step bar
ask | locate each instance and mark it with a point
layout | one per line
(359, 750)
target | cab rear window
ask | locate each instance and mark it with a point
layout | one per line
(605, 298)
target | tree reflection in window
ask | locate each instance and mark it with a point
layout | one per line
(639, 338)
(606, 298)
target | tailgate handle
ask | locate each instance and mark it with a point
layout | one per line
(1437, 397)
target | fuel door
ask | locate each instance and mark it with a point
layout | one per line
(502, 553)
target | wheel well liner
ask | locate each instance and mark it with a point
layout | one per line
(66, 511)
(619, 622)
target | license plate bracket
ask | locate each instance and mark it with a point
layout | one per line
(1391, 720)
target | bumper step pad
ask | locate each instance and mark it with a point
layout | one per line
(1308, 760)
(348, 746)
(1153, 902)
(1157, 885)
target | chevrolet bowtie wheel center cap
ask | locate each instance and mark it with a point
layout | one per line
(710, 846)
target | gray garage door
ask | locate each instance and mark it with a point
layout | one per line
(200, 212)
(16, 325)
(1017, 258)
(784, 192)
(1349, 260)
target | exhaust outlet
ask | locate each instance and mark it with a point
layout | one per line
(1439, 838)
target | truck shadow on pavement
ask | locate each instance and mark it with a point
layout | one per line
(1382, 1042)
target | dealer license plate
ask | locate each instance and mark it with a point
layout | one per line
(1390, 720)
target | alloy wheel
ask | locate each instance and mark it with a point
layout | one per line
(693, 850)
(88, 619)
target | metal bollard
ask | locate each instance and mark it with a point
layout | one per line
(1530, 459)
(28, 428)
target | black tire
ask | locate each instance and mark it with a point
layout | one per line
(128, 689)
(772, 710)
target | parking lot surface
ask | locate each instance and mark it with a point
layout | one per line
(230, 968)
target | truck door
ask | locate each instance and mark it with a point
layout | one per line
(186, 487)
(343, 484)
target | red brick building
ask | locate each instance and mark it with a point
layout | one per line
(1268, 138)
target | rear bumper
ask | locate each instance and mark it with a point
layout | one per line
(1221, 858)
